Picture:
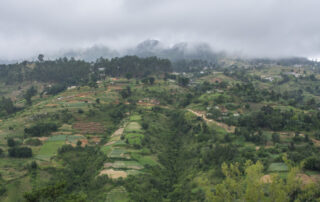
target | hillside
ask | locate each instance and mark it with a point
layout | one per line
(132, 129)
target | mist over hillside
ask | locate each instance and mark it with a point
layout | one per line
(148, 48)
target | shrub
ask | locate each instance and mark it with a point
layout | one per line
(11, 142)
(41, 129)
(33, 142)
(33, 165)
(312, 163)
(20, 152)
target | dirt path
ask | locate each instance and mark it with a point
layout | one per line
(229, 129)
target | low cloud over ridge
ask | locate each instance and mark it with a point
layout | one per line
(263, 28)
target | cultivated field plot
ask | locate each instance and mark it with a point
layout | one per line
(89, 127)
(50, 147)
(124, 165)
(119, 153)
(133, 127)
(278, 167)
(114, 174)
(134, 138)
(13, 168)
(118, 194)
(135, 118)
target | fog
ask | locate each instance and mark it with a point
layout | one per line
(264, 28)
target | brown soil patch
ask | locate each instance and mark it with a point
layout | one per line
(134, 167)
(316, 142)
(306, 179)
(216, 80)
(266, 179)
(118, 132)
(84, 142)
(72, 144)
(107, 165)
(42, 139)
(89, 127)
(62, 133)
(145, 104)
(110, 143)
(51, 105)
(83, 94)
(114, 174)
(95, 139)
(229, 129)
(72, 101)
(114, 88)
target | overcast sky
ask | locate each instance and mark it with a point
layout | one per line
(251, 27)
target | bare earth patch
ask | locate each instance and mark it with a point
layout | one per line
(316, 142)
(229, 129)
(266, 179)
(110, 143)
(118, 132)
(114, 88)
(107, 165)
(84, 142)
(306, 179)
(114, 174)
(95, 139)
(62, 133)
(42, 139)
(89, 127)
(51, 105)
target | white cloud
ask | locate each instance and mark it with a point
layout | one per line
(257, 28)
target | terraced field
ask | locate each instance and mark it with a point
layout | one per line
(124, 156)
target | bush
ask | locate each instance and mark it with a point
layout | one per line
(33, 142)
(11, 142)
(20, 152)
(55, 89)
(41, 129)
(65, 148)
(312, 163)
(34, 165)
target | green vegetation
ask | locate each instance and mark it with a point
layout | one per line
(127, 129)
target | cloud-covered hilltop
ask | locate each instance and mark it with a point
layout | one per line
(147, 48)
(266, 28)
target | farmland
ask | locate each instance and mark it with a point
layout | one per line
(155, 138)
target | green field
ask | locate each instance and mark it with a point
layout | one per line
(278, 167)
(51, 146)
(133, 127)
(118, 194)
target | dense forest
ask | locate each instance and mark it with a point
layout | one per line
(71, 71)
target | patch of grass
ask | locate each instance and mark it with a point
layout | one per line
(118, 194)
(278, 167)
(118, 153)
(16, 189)
(135, 118)
(57, 138)
(127, 165)
(144, 160)
(134, 138)
(133, 127)
(50, 148)
(106, 149)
